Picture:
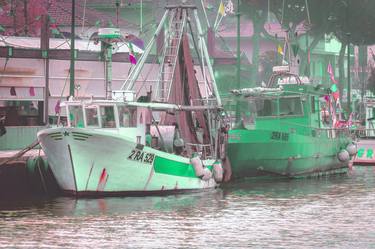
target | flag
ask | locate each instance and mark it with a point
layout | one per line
(280, 50)
(132, 59)
(335, 92)
(138, 42)
(308, 56)
(331, 73)
(13, 91)
(32, 91)
(222, 9)
(336, 95)
(350, 120)
(130, 38)
(57, 107)
(229, 7)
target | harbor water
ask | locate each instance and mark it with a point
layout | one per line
(330, 212)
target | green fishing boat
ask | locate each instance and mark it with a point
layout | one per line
(287, 129)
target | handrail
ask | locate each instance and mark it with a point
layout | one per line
(366, 132)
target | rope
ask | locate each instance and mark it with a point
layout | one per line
(199, 59)
(149, 71)
(20, 153)
(61, 95)
(308, 12)
(83, 18)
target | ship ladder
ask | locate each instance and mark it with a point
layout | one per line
(177, 22)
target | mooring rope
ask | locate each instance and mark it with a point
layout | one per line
(20, 153)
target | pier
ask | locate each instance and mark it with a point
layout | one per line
(25, 174)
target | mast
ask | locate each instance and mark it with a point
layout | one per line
(133, 75)
(72, 57)
(348, 67)
(238, 64)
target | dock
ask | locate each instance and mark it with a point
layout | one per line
(25, 174)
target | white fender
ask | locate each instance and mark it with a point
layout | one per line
(352, 149)
(207, 174)
(197, 165)
(218, 171)
(343, 155)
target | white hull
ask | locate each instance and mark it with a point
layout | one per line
(88, 161)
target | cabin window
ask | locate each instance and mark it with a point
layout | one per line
(290, 106)
(313, 108)
(92, 117)
(266, 107)
(107, 116)
(126, 116)
(76, 116)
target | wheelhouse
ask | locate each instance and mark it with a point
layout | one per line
(100, 114)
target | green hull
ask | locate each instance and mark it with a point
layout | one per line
(259, 152)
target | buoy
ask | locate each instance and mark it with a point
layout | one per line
(197, 165)
(343, 155)
(207, 174)
(352, 149)
(218, 171)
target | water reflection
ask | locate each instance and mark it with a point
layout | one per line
(134, 205)
(334, 212)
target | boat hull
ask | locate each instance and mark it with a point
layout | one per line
(89, 162)
(365, 154)
(260, 152)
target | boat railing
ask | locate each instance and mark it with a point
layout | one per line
(203, 149)
(362, 133)
(204, 102)
(316, 131)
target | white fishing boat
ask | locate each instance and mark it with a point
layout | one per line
(167, 141)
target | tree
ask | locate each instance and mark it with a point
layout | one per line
(289, 13)
(349, 20)
(22, 17)
(254, 9)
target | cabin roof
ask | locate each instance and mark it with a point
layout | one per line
(150, 105)
(306, 88)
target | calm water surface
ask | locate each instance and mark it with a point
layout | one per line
(334, 212)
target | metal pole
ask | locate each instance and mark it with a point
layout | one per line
(108, 68)
(141, 14)
(238, 58)
(129, 83)
(207, 57)
(349, 90)
(45, 48)
(205, 14)
(72, 48)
